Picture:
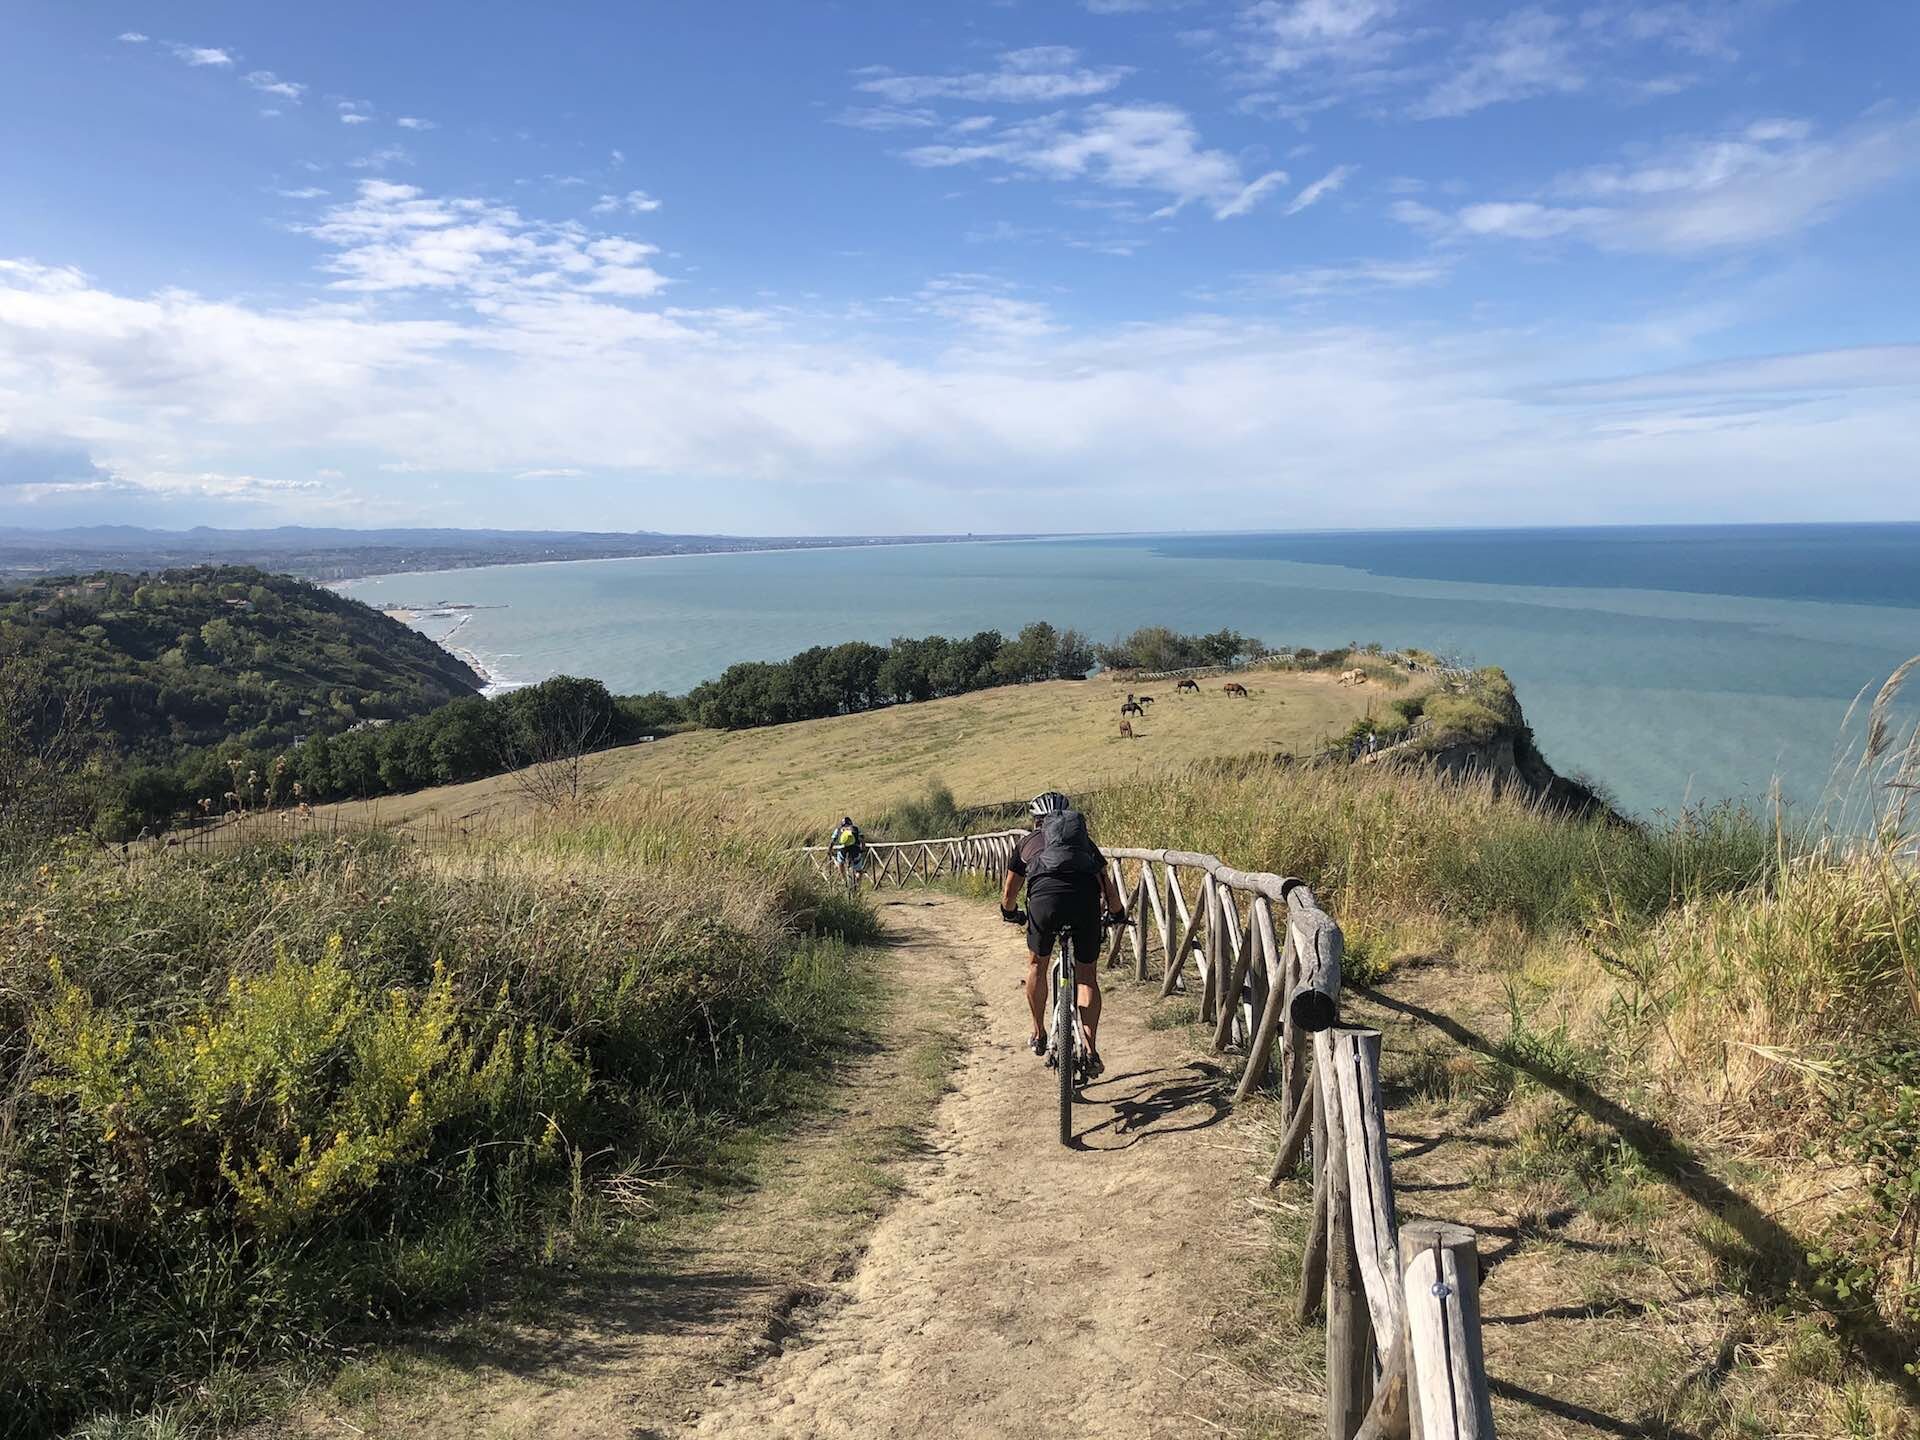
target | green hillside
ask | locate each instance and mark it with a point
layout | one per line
(187, 659)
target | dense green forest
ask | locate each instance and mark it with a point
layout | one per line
(184, 659)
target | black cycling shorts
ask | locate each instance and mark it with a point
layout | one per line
(1075, 913)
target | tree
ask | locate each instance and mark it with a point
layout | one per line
(46, 735)
(550, 731)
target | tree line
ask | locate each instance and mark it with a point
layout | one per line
(547, 726)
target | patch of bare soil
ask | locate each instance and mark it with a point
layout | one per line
(1012, 1286)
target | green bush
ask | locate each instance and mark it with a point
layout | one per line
(255, 1098)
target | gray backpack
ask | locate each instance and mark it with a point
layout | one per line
(1067, 852)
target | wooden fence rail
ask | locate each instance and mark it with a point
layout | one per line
(1401, 1300)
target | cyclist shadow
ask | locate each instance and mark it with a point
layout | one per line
(1172, 1100)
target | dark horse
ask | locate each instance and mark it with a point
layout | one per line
(1132, 707)
(1185, 685)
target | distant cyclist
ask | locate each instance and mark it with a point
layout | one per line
(1066, 881)
(848, 847)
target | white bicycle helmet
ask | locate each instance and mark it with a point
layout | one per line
(1050, 803)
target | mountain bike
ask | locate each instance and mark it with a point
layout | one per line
(1066, 1036)
(852, 867)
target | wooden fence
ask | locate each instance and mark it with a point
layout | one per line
(1401, 1301)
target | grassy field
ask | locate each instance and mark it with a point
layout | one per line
(989, 746)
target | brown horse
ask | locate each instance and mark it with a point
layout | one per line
(1126, 729)
(1234, 687)
(1186, 685)
(1132, 707)
(1146, 699)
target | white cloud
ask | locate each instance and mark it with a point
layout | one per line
(201, 55)
(267, 83)
(392, 237)
(1038, 75)
(354, 112)
(193, 394)
(305, 192)
(552, 472)
(132, 37)
(414, 122)
(634, 202)
(1528, 53)
(1125, 147)
(1321, 188)
(1768, 180)
(354, 117)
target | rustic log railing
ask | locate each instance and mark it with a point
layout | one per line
(1401, 1300)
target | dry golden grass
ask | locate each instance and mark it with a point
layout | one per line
(993, 745)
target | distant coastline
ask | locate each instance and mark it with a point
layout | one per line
(330, 556)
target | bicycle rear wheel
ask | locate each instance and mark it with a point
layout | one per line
(1064, 1000)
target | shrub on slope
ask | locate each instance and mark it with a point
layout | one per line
(252, 1099)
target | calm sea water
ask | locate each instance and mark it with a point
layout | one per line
(1675, 665)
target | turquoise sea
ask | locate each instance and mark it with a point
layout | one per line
(1673, 664)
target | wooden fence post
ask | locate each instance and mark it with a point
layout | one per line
(1141, 889)
(1261, 1048)
(1356, 1066)
(1447, 1374)
(1349, 1351)
(1313, 1263)
(1215, 947)
(1184, 933)
(1244, 960)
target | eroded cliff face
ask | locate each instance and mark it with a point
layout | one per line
(1509, 758)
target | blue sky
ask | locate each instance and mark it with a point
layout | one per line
(1119, 264)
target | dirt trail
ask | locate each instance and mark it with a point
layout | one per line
(1018, 1287)
(1010, 1287)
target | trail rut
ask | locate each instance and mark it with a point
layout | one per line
(1019, 1287)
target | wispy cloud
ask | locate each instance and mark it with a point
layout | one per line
(1296, 58)
(414, 122)
(307, 192)
(133, 37)
(634, 202)
(551, 472)
(1316, 281)
(201, 55)
(1321, 188)
(1153, 148)
(887, 117)
(1528, 53)
(268, 83)
(1769, 179)
(354, 112)
(385, 158)
(1038, 75)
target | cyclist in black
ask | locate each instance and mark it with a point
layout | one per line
(1067, 881)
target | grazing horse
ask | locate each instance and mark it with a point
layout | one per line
(1234, 687)
(1132, 707)
(1146, 700)
(1126, 729)
(1186, 685)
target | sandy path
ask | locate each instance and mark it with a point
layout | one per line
(1021, 1288)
